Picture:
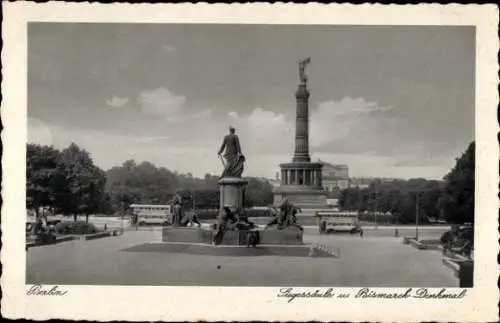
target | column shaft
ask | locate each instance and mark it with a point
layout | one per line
(318, 177)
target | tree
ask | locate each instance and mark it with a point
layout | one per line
(95, 197)
(397, 197)
(78, 183)
(145, 183)
(458, 199)
(41, 164)
(258, 193)
(207, 198)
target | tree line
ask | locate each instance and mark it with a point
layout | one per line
(68, 182)
(451, 200)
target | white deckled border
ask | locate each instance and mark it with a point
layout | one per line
(235, 303)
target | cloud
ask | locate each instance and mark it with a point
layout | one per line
(346, 120)
(167, 48)
(207, 113)
(173, 107)
(356, 126)
(264, 119)
(263, 131)
(146, 139)
(233, 115)
(356, 132)
(162, 101)
(39, 132)
(117, 102)
(112, 149)
(266, 138)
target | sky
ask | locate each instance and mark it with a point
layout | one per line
(388, 101)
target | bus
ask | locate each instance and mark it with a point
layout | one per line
(150, 214)
(335, 221)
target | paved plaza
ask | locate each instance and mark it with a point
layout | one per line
(362, 261)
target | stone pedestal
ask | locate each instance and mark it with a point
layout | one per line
(271, 236)
(287, 236)
(190, 235)
(302, 196)
(232, 193)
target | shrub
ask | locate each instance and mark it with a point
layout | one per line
(76, 227)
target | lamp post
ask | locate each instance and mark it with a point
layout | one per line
(376, 206)
(194, 199)
(417, 214)
(122, 211)
(122, 214)
(194, 206)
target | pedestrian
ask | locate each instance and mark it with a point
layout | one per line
(322, 226)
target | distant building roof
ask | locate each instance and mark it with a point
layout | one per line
(332, 165)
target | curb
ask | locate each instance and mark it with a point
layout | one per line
(96, 236)
(417, 244)
(58, 240)
(422, 245)
(71, 238)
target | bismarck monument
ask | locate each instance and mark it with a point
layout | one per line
(232, 186)
(301, 180)
(233, 227)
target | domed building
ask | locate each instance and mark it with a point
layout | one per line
(335, 177)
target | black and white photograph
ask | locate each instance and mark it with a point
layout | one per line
(304, 157)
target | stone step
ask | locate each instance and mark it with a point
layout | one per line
(187, 235)
(288, 236)
(271, 236)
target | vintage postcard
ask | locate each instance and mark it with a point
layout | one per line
(200, 162)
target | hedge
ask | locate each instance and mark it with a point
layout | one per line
(76, 227)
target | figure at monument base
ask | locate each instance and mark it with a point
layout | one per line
(177, 209)
(230, 220)
(285, 217)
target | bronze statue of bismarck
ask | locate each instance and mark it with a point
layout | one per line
(234, 159)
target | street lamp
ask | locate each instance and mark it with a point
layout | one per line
(122, 189)
(376, 206)
(417, 214)
(194, 199)
(121, 218)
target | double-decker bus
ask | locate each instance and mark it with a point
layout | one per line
(152, 214)
(338, 221)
